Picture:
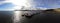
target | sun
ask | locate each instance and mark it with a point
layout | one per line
(19, 3)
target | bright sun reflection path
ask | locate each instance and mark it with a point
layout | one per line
(19, 4)
(17, 16)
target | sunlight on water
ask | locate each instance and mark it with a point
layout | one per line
(17, 16)
(19, 4)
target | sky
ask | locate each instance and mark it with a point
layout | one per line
(6, 6)
(46, 3)
(2, 0)
(34, 3)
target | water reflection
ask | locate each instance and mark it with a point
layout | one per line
(17, 16)
(41, 17)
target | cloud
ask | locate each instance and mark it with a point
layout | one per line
(46, 3)
(43, 4)
(2, 0)
(6, 5)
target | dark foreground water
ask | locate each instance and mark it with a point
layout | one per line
(6, 17)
